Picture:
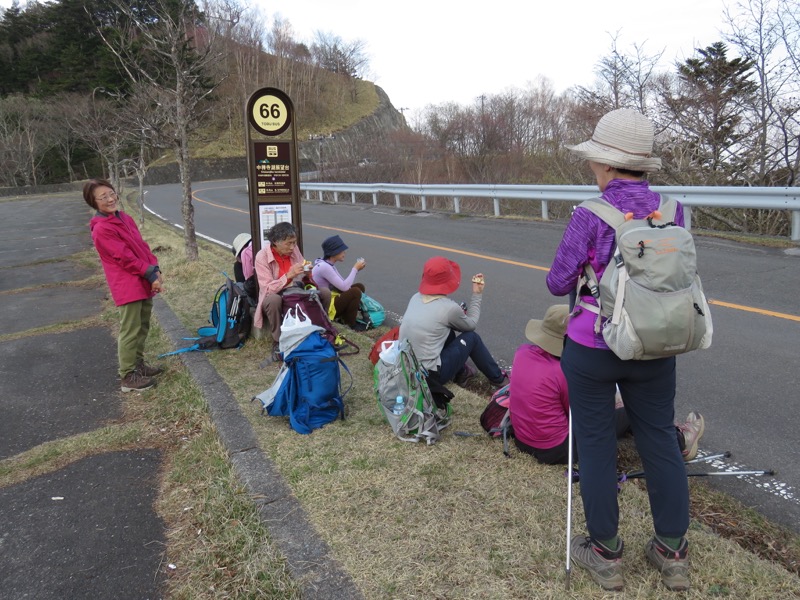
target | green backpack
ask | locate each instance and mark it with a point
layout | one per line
(404, 397)
(650, 298)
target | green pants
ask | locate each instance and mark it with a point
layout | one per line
(134, 325)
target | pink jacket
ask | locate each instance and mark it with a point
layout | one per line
(128, 263)
(539, 400)
(268, 280)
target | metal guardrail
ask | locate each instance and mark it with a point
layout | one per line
(766, 198)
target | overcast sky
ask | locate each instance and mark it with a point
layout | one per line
(433, 51)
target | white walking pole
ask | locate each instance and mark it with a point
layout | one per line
(567, 567)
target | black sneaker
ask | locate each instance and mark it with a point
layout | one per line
(502, 382)
(672, 564)
(604, 565)
(463, 376)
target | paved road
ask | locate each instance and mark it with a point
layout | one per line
(746, 385)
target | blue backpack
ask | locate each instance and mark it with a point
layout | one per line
(230, 321)
(308, 387)
(371, 313)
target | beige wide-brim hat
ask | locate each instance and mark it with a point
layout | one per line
(240, 243)
(623, 139)
(549, 332)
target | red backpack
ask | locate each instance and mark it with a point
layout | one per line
(309, 301)
(496, 417)
(390, 336)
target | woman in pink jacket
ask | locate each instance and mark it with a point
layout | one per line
(133, 277)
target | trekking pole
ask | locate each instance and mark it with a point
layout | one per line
(641, 474)
(567, 566)
(726, 454)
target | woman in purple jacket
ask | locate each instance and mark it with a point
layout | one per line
(347, 297)
(619, 155)
(133, 277)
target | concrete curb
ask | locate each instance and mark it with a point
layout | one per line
(308, 557)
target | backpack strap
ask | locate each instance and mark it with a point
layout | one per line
(603, 209)
(667, 207)
(613, 217)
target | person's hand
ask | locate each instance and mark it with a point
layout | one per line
(158, 285)
(295, 270)
(360, 264)
(478, 283)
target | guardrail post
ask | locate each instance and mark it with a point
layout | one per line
(687, 217)
(496, 202)
(424, 202)
(397, 200)
(352, 197)
(456, 204)
(320, 195)
(374, 198)
(336, 197)
(795, 225)
(545, 211)
(308, 194)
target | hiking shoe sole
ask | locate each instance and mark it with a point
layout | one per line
(137, 389)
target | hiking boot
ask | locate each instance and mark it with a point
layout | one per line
(463, 376)
(672, 564)
(136, 382)
(604, 565)
(502, 382)
(148, 370)
(692, 431)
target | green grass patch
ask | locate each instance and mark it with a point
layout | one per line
(454, 520)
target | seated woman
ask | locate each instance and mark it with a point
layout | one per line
(346, 294)
(441, 333)
(279, 265)
(539, 402)
(243, 267)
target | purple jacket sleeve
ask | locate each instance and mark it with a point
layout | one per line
(573, 253)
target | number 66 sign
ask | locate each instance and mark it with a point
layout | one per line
(269, 111)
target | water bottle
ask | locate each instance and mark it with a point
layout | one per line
(399, 406)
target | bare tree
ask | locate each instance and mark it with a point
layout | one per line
(95, 120)
(758, 29)
(25, 136)
(172, 50)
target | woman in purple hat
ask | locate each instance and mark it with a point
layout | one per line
(346, 294)
(441, 333)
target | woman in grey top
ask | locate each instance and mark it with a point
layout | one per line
(441, 333)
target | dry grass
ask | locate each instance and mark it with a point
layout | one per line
(454, 520)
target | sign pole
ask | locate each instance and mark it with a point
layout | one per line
(273, 181)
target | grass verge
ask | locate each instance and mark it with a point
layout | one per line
(455, 520)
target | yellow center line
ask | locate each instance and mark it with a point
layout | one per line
(760, 311)
(434, 247)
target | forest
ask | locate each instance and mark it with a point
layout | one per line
(114, 86)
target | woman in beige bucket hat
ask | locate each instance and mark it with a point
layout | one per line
(619, 154)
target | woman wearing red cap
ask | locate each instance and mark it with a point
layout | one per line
(441, 333)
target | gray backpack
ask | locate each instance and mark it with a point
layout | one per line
(404, 397)
(650, 298)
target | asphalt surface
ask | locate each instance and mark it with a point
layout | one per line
(89, 529)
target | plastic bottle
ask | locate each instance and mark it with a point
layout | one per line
(399, 406)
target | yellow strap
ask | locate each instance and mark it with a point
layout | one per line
(332, 307)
